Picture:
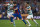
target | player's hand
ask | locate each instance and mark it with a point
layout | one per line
(12, 15)
(11, 8)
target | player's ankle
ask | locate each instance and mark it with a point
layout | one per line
(29, 25)
(11, 22)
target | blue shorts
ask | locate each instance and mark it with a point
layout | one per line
(17, 15)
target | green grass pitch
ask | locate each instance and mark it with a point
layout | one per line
(19, 23)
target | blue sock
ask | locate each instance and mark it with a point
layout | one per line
(11, 18)
(24, 21)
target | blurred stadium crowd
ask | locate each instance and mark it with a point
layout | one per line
(35, 6)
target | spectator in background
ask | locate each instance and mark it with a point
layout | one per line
(3, 10)
(22, 8)
(0, 8)
(34, 7)
(39, 11)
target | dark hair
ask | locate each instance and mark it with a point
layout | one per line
(27, 2)
(11, 0)
(15, 2)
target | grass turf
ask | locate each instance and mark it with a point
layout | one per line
(19, 23)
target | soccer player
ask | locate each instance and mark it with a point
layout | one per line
(17, 13)
(10, 11)
(30, 14)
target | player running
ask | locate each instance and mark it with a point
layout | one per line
(10, 11)
(30, 16)
(17, 13)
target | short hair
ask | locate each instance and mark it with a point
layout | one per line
(11, 0)
(27, 2)
(15, 2)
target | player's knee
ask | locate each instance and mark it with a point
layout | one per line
(7, 16)
(26, 19)
(11, 22)
(32, 19)
(12, 16)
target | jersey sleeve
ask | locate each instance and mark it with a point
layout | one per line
(28, 7)
(8, 4)
(18, 7)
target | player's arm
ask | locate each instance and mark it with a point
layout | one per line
(11, 8)
(16, 9)
(27, 9)
(6, 4)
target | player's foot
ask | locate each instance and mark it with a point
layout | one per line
(26, 25)
(14, 25)
(37, 24)
(29, 25)
(11, 22)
